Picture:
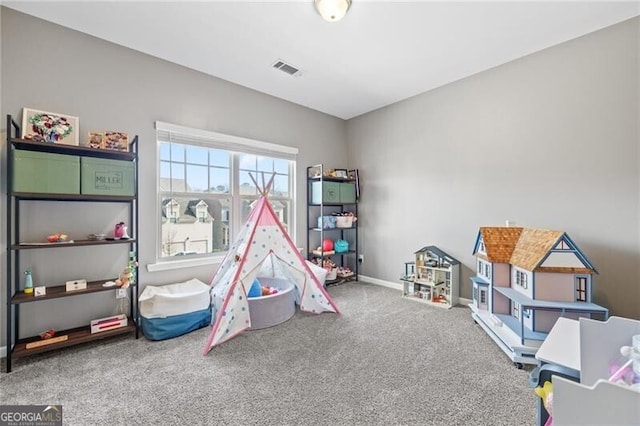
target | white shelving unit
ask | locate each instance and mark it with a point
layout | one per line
(590, 347)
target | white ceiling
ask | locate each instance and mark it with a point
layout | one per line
(380, 53)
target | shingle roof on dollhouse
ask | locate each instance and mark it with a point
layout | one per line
(499, 242)
(528, 248)
(438, 253)
(533, 245)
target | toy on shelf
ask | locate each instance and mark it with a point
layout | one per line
(626, 371)
(128, 275)
(120, 231)
(526, 279)
(28, 282)
(57, 238)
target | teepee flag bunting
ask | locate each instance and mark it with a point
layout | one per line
(263, 246)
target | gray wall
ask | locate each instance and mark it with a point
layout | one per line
(48, 67)
(549, 141)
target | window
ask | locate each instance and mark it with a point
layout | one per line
(484, 269)
(483, 297)
(206, 192)
(515, 309)
(581, 289)
(521, 279)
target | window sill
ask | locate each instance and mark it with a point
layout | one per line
(184, 263)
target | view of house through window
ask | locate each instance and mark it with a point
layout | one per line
(206, 194)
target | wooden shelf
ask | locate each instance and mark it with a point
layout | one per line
(56, 148)
(75, 243)
(76, 336)
(330, 179)
(40, 196)
(58, 291)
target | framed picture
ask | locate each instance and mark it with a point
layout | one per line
(341, 173)
(116, 141)
(50, 127)
(95, 139)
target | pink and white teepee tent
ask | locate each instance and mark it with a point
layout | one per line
(263, 245)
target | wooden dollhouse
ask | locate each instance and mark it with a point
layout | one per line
(432, 278)
(526, 279)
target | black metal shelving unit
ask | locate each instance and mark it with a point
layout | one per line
(316, 234)
(15, 297)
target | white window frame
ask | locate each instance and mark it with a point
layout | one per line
(521, 279)
(236, 144)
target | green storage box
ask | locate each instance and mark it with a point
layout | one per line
(42, 172)
(325, 192)
(99, 176)
(347, 193)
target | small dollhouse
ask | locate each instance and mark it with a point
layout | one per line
(526, 279)
(432, 278)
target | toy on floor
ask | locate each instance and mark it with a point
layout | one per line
(546, 393)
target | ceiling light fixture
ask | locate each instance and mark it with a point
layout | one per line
(332, 10)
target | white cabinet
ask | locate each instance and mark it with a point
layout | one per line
(591, 347)
(433, 278)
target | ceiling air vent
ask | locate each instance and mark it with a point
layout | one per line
(286, 68)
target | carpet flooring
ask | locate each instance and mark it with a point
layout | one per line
(383, 360)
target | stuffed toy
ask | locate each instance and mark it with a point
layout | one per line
(124, 279)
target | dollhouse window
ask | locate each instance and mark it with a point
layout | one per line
(483, 297)
(521, 279)
(581, 289)
(484, 269)
(515, 309)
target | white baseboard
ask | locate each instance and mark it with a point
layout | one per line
(3, 351)
(389, 284)
(397, 286)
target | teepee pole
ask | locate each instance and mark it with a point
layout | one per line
(264, 190)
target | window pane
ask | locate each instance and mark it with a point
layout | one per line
(281, 166)
(219, 158)
(247, 186)
(177, 152)
(219, 180)
(177, 181)
(280, 186)
(164, 151)
(265, 164)
(247, 162)
(197, 178)
(165, 169)
(197, 155)
(193, 226)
